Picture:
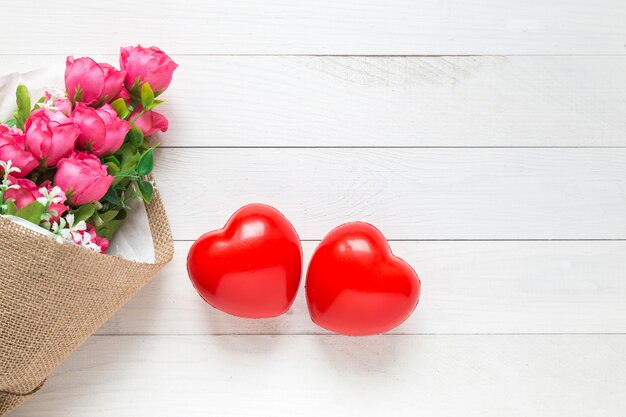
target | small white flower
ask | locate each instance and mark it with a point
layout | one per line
(54, 94)
(45, 198)
(56, 195)
(70, 220)
(8, 168)
(57, 226)
(65, 229)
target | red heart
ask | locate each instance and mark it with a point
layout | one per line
(250, 268)
(356, 286)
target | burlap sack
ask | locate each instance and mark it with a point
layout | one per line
(53, 296)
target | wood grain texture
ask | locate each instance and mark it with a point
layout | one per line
(504, 328)
(365, 27)
(467, 288)
(577, 376)
(416, 194)
(388, 101)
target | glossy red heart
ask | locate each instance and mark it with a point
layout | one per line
(250, 268)
(355, 285)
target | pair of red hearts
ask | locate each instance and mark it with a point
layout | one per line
(252, 267)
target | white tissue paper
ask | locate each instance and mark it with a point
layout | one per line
(133, 241)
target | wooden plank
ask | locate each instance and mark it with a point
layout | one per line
(366, 27)
(416, 194)
(468, 288)
(391, 101)
(482, 376)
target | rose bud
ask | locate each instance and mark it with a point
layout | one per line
(50, 136)
(102, 131)
(12, 148)
(90, 82)
(150, 122)
(147, 65)
(83, 178)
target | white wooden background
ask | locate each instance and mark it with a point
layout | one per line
(485, 138)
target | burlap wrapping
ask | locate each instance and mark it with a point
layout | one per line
(53, 296)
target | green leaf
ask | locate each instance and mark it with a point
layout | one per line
(112, 169)
(146, 163)
(32, 212)
(111, 225)
(107, 216)
(130, 163)
(113, 164)
(135, 136)
(23, 105)
(107, 230)
(112, 197)
(147, 96)
(128, 155)
(146, 189)
(83, 213)
(121, 108)
(11, 208)
(10, 123)
(113, 160)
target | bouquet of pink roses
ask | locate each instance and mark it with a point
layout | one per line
(72, 162)
(72, 166)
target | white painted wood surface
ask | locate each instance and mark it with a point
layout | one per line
(434, 193)
(364, 27)
(388, 101)
(480, 375)
(468, 288)
(499, 172)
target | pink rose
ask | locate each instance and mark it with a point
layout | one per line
(50, 135)
(83, 178)
(25, 194)
(102, 131)
(61, 104)
(101, 242)
(147, 65)
(124, 94)
(96, 82)
(150, 122)
(12, 148)
(28, 192)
